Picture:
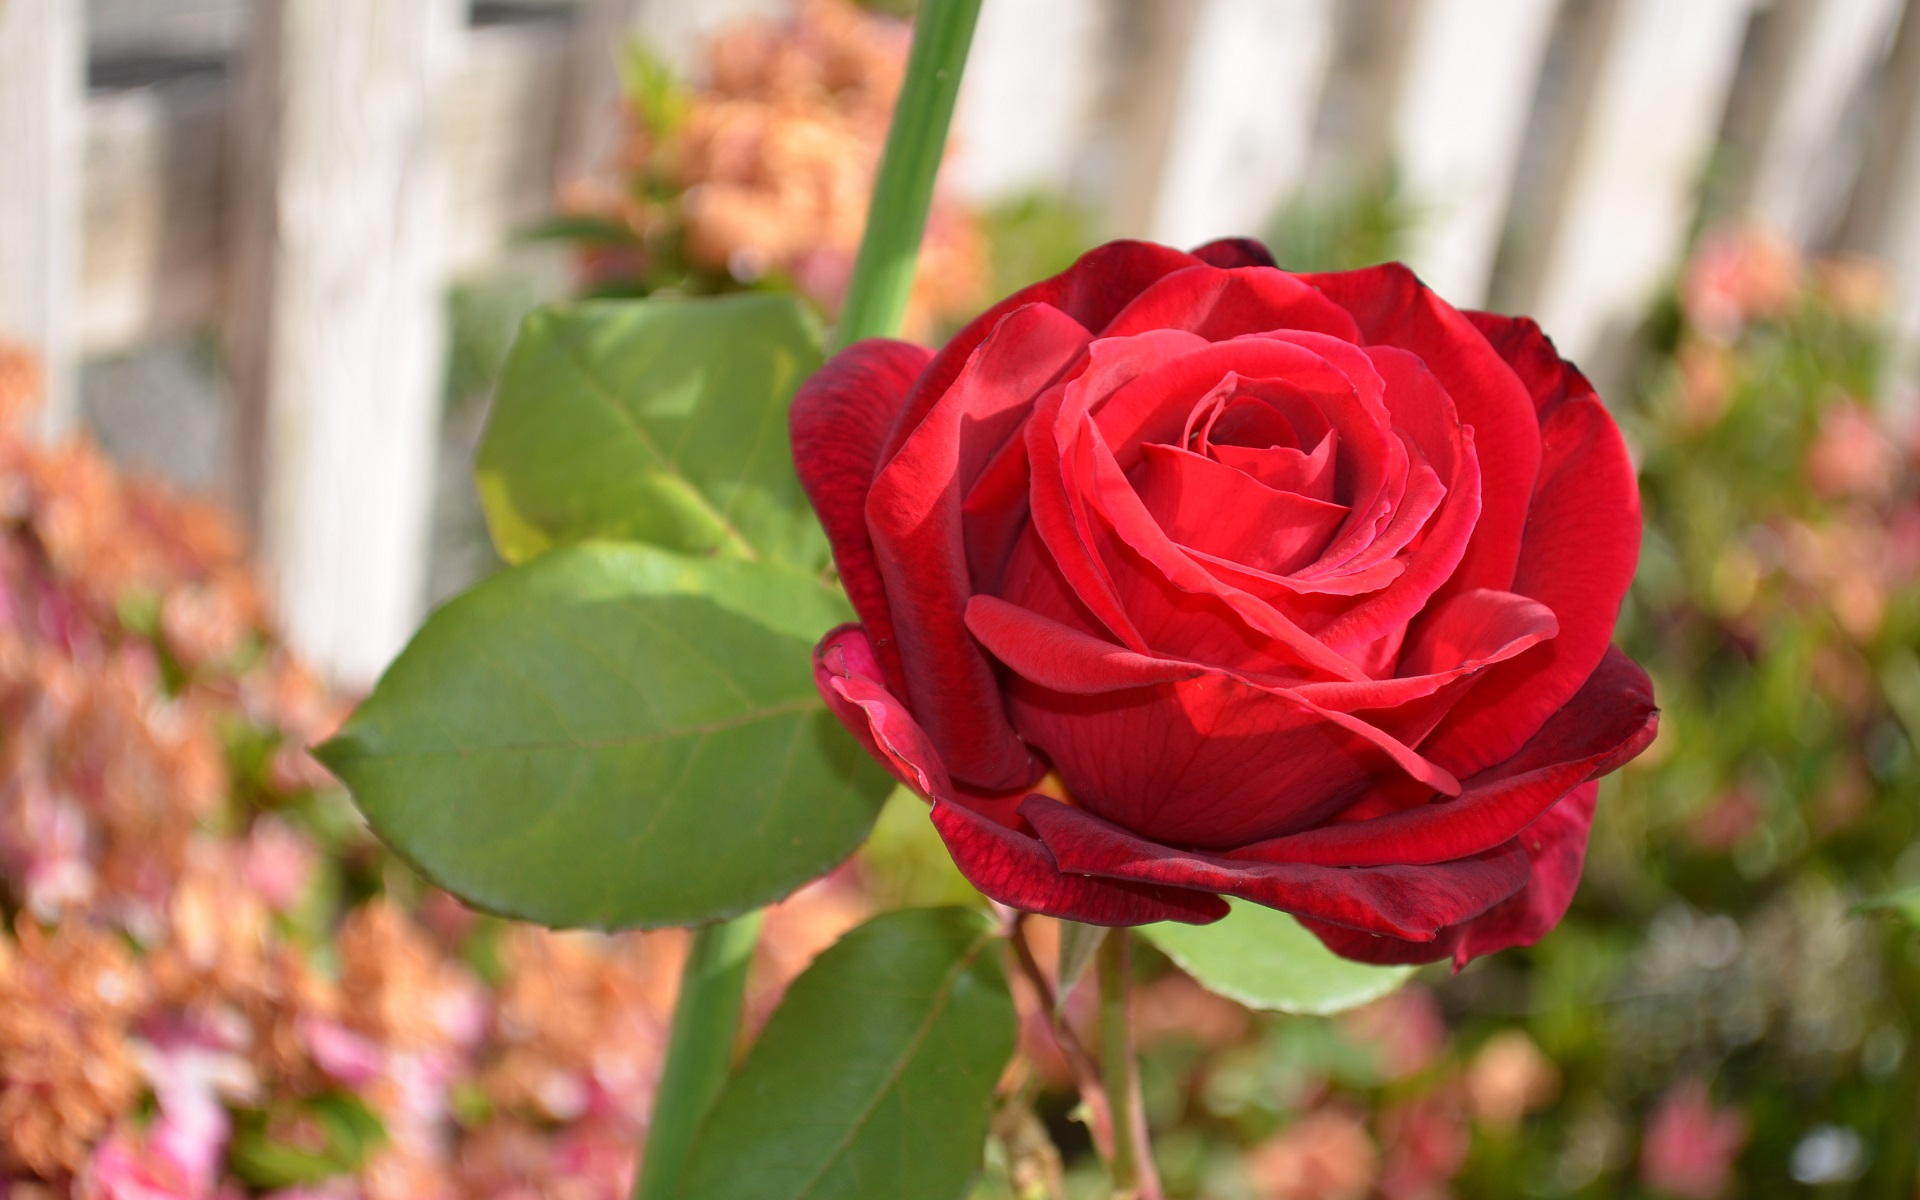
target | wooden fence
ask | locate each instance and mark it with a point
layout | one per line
(312, 198)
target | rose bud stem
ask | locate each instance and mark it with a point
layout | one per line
(1086, 1071)
(706, 1014)
(1134, 1177)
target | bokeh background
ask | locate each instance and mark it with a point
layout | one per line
(260, 261)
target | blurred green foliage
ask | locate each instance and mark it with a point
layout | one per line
(1338, 229)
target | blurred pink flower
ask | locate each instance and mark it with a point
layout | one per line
(345, 1055)
(1405, 1028)
(1426, 1141)
(1740, 272)
(1509, 1078)
(277, 863)
(1325, 1155)
(1727, 821)
(1852, 456)
(1690, 1145)
(193, 1072)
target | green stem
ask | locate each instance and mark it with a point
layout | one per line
(903, 189)
(706, 1020)
(706, 1017)
(1134, 1177)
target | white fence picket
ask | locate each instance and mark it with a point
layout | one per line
(1884, 220)
(1243, 116)
(1795, 180)
(42, 96)
(1466, 87)
(1026, 104)
(1640, 146)
(340, 274)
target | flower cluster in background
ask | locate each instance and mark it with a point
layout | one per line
(213, 983)
(759, 176)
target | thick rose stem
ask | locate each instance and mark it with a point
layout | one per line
(903, 189)
(707, 1013)
(706, 1019)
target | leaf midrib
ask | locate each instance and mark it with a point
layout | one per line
(791, 707)
(736, 541)
(948, 985)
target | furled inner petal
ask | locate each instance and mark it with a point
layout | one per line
(1284, 468)
(1207, 506)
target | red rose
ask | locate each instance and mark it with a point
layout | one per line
(1302, 587)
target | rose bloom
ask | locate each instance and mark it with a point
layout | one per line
(1183, 577)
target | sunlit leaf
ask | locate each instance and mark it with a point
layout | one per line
(613, 735)
(874, 1080)
(658, 421)
(1265, 959)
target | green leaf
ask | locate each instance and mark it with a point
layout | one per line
(658, 421)
(347, 1131)
(1904, 902)
(1265, 959)
(580, 227)
(613, 735)
(874, 1079)
(1077, 944)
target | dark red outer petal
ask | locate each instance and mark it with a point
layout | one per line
(1223, 304)
(1009, 865)
(1235, 252)
(1610, 721)
(1556, 845)
(1016, 869)
(1407, 902)
(914, 519)
(1549, 379)
(1092, 291)
(1583, 542)
(839, 417)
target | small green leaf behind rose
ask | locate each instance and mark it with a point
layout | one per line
(1903, 903)
(332, 1135)
(615, 736)
(874, 1079)
(1077, 944)
(1265, 959)
(658, 421)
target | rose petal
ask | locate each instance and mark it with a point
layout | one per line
(1180, 750)
(1222, 304)
(847, 675)
(1610, 721)
(1422, 408)
(1097, 286)
(913, 515)
(1407, 902)
(996, 509)
(1017, 870)
(1010, 866)
(1464, 634)
(1205, 505)
(1555, 845)
(1285, 469)
(1583, 542)
(839, 417)
(1393, 308)
(1227, 253)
